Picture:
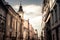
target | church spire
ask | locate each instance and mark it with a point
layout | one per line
(20, 11)
(20, 7)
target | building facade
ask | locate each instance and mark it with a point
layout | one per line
(13, 21)
(36, 35)
(53, 21)
(28, 31)
(42, 35)
(25, 30)
(21, 13)
(31, 32)
(3, 12)
(46, 19)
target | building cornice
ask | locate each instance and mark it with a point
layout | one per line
(53, 5)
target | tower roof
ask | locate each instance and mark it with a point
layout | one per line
(20, 8)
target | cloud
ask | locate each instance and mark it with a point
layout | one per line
(29, 8)
(36, 20)
(32, 10)
(16, 7)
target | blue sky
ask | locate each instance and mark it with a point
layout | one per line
(32, 11)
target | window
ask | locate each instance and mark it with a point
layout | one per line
(55, 8)
(8, 24)
(8, 20)
(13, 26)
(18, 26)
(52, 17)
(59, 11)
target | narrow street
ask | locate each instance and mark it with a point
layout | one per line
(29, 19)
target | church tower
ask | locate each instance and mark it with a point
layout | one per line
(20, 11)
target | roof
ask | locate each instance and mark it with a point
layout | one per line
(20, 8)
(10, 7)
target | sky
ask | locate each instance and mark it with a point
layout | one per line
(32, 11)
